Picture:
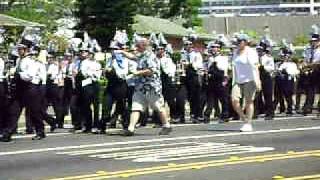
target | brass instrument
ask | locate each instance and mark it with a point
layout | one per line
(310, 68)
(180, 72)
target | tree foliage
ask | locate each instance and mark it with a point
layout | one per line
(44, 12)
(101, 18)
(186, 9)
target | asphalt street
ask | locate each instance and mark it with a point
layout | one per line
(286, 148)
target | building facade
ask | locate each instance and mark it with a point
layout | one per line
(227, 8)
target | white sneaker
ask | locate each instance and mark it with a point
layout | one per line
(95, 130)
(246, 128)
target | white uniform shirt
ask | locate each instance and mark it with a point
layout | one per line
(290, 67)
(1, 70)
(133, 65)
(42, 73)
(91, 69)
(245, 65)
(121, 72)
(222, 63)
(53, 71)
(307, 54)
(29, 70)
(168, 66)
(267, 62)
(195, 59)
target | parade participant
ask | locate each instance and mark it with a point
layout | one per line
(267, 68)
(218, 80)
(2, 95)
(75, 76)
(148, 90)
(12, 97)
(246, 80)
(91, 71)
(68, 85)
(117, 69)
(40, 57)
(311, 69)
(288, 71)
(168, 70)
(29, 74)
(193, 80)
(55, 89)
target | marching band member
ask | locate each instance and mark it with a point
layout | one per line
(55, 90)
(267, 68)
(312, 59)
(117, 69)
(288, 71)
(2, 94)
(168, 70)
(91, 71)
(193, 81)
(246, 80)
(28, 72)
(218, 80)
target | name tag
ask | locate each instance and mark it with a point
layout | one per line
(86, 82)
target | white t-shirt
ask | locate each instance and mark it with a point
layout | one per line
(245, 65)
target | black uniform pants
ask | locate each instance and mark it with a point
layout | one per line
(169, 95)
(3, 109)
(310, 94)
(33, 104)
(287, 90)
(116, 93)
(216, 94)
(181, 99)
(55, 95)
(278, 96)
(267, 92)
(194, 91)
(89, 95)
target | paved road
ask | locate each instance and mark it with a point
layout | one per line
(276, 149)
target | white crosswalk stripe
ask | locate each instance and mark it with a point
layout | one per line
(167, 152)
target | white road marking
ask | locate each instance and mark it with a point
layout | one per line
(227, 152)
(157, 140)
(174, 151)
(31, 135)
(149, 127)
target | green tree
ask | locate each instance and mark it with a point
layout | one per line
(44, 12)
(101, 18)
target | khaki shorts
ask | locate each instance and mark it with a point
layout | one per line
(246, 90)
(142, 101)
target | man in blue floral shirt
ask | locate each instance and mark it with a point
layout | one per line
(148, 89)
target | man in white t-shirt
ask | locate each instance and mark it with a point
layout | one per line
(246, 80)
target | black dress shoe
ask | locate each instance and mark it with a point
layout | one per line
(268, 118)
(87, 131)
(39, 137)
(6, 138)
